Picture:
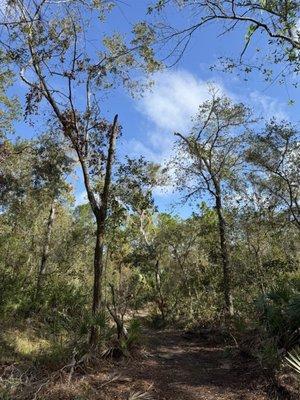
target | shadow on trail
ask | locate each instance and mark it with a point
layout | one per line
(192, 369)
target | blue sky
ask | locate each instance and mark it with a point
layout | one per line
(149, 122)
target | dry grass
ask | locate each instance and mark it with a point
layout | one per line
(25, 342)
(36, 367)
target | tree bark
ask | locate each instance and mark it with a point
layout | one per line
(160, 301)
(117, 315)
(98, 272)
(46, 248)
(224, 253)
(101, 216)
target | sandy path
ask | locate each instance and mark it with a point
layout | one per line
(176, 368)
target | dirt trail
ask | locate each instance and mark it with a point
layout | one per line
(180, 369)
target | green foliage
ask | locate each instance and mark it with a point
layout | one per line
(160, 264)
(268, 355)
(163, 266)
(167, 269)
(10, 107)
(13, 294)
(275, 152)
(278, 323)
(251, 30)
(145, 36)
(133, 336)
(280, 312)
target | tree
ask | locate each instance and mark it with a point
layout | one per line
(10, 107)
(35, 171)
(51, 164)
(277, 20)
(137, 179)
(180, 240)
(264, 242)
(211, 161)
(275, 155)
(47, 45)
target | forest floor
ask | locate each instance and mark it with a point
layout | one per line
(180, 368)
(170, 366)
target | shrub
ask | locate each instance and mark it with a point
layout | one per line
(279, 313)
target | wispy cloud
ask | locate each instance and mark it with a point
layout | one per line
(168, 107)
(174, 99)
(267, 106)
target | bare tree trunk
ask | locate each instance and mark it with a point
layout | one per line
(98, 272)
(186, 280)
(160, 301)
(118, 315)
(46, 248)
(101, 215)
(224, 253)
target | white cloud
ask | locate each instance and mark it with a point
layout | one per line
(267, 106)
(176, 96)
(174, 99)
(135, 148)
(169, 107)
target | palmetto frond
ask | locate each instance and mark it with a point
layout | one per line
(140, 395)
(293, 360)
